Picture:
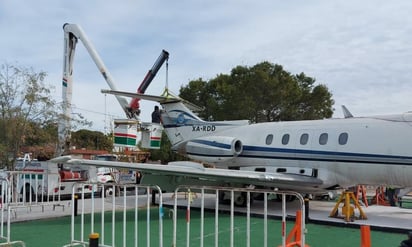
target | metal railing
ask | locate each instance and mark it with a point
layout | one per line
(21, 191)
(241, 196)
(103, 214)
(32, 188)
(5, 213)
(127, 219)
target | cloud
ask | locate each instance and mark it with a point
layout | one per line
(360, 50)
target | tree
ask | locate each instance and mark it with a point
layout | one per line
(262, 93)
(25, 107)
(164, 154)
(94, 140)
(202, 93)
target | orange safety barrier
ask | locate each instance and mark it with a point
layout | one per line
(380, 197)
(294, 236)
(361, 194)
(365, 236)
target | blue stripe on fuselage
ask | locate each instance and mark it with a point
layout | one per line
(309, 155)
(211, 143)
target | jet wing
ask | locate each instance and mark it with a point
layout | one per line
(169, 177)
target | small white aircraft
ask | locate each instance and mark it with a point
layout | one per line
(304, 156)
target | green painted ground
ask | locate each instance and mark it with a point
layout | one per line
(56, 232)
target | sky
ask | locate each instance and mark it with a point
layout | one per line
(361, 50)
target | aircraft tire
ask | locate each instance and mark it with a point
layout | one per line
(289, 198)
(108, 190)
(241, 199)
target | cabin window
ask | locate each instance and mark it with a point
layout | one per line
(304, 139)
(323, 138)
(281, 170)
(343, 138)
(269, 139)
(285, 139)
(260, 169)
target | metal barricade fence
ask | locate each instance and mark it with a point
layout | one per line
(6, 211)
(125, 203)
(29, 188)
(217, 196)
(24, 190)
(116, 218)
(3, 205)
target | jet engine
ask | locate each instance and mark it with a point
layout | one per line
(214, 149)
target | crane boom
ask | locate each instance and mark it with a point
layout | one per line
(134, 106)
(73, 33)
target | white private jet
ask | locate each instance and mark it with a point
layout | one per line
(304, 156)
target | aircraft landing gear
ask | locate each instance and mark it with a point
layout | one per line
(289, 198)
(239, 198)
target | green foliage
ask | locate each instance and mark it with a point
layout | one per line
(94, 140)
(262, 93)
(26, 109)
(28, 115)
(165, 153)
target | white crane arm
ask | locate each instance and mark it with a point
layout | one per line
(73, 33)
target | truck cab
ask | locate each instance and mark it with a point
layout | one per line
(107, 175)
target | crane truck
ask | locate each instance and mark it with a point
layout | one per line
(72, 34)
(151, 132)
(38, 181)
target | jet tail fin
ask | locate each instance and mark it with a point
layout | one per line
(178, 118)
(346, 112)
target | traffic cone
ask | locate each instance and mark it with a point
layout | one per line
(365, 236)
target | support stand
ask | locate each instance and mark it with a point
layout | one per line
(348, 210)
(294, 236)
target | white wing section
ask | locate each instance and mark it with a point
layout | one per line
(168, 177)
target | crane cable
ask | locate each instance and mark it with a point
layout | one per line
(167, 73)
